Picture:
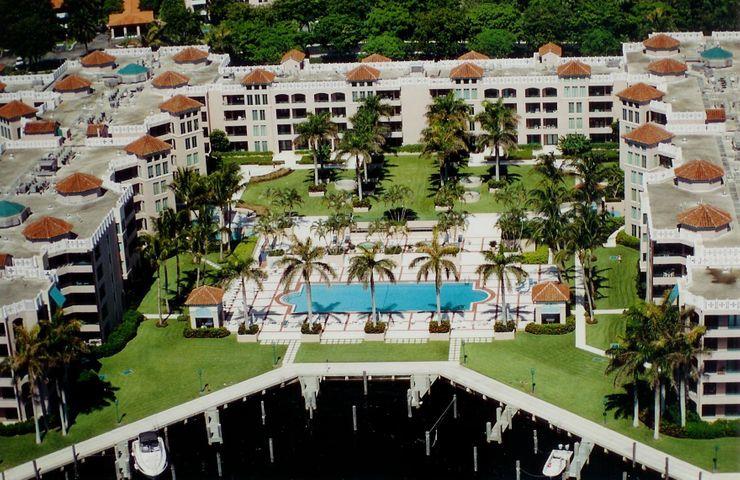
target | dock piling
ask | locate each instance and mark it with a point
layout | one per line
(213, 426)
(454, 406)
(262, 409)
(74, 461)
(428, 444)
(364, 382)
(272, 451)
(475, 459)
(666, 469)
(634, 454)
(218, 464)
(167, 446)
(518, 471)
(36, 471)
(534, 440)
(408, 402)
(354, 418)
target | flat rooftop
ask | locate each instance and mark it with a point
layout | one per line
(17, 289)
(685, 95)
(715, 283)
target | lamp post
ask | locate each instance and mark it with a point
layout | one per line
(201, 387)
(462, 350)
(532, 372)
(118, 416)
(714, 460)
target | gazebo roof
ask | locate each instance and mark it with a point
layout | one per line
(699, 171)
(704, 216)
(550, 292)
(16, 109)
(551, 48)
(473, 55)
(190, 55)
(375, 58)
(78, 183)
(180, 104)
(293, 54)
(661, 41)
(98, 58)
(170, 79)
(574, 68)
(132, 69)
(648, 134)
(46, 228)
(147, 145)
(640, 93)
(258, 76)
(72, 83)
(716, 53)
(667, 66)
(466, 70)
(10, 209)
(363, 73)
(205, 295)
(131, 15)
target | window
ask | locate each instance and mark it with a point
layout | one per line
(165, 203)
(158, 206)
(634, 213)
(158, 169)
(165, 168)
(637, 117)
(264, 145)
(634, 195)
(149, 171)
(624, 114)
(644, 161)
(258, 115)
(155, 188)
(579, 123)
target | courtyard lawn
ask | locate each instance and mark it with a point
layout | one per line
(373, 352)
(559, 367)
(157, 370)
(608, 330)
(414, 171)
(619, 287)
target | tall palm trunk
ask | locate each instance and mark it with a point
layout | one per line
(635, 406)
(359, 176)
(34, 401)
(364, 169)
(177, 273)
(159, 297)
(495, 148)
(438, 292)
(62, 408)
(244, 299)
(309, 303)
(315, 164)
(656, 413)
(197, 272)
(372, 299)
(682, 394)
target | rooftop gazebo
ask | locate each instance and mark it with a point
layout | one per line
(129, 22)
(717, 57)
(550, 302)
(206, 306)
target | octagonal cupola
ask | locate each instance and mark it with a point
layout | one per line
(699, 176)
(705, 219)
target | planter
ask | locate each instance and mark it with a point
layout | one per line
(360, 209)
(493, 190)
(504, 335)
(442, 337)
(375, 337)
(437, 208)
(247, 338)
(320, 193)
(310, 338)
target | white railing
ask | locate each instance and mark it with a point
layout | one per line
(682, 36)
(697, 129)
(21, 272)
(174, 50)
(129, 52)
(109, 141)
(658, 175)
(30, 96)
(726, 35)
(688, 298)
(24, 144)
(129, 130)
(708, 256)
(14, 309)
(669, 150)
(82, 244)
(631, 47)
(119, 163)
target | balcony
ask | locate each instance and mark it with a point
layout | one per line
(720, 399)
(74, 309)
(81, 288)
(70, 268)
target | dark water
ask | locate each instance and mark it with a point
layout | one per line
(387, 445)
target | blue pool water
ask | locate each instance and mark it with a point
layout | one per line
(390, 297)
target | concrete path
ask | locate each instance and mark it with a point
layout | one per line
(580, 312)
(608, 311)
(291, 352)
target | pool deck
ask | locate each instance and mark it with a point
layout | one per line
(451, 371)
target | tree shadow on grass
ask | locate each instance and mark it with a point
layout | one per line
(90, 393)
(621, 404)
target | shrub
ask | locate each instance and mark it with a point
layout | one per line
(439, 327)
(371, 327)
(393, 250)
(250, 330)
(493, 183)
(260, 210)
(18, 428)
(550, 328)
(306, 160)
(357, 203)
(276, 252)
(613, 223)
(279, 173)
(321, 187)
(311, 329)
(501, 327)
(411, 148)
(719, 428)
(538, 257)
(217, 332)
(121, 335)
(623, 238)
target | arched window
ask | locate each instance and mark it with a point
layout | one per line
(321, 97)
(337, 97)
(298, 98)
(491, 93)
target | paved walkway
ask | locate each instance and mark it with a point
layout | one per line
(561, 418)
(580, 313)
(291, 352)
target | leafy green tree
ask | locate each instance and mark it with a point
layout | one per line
(356, 143)
(544, 21)
(366, 267)
(314, 131)
(495, 16)
(305, 12)
(499, 123)
(30, 28)
(436, 259)
(504, 267)
(255, 41)
(244, 269)
(389, 18)
(440, 32)
(155, 250)
(219, 141)
(653, 16)
(600, 42)
(218, 10)
(493, 42)
(181, 26)
(574, 144)
(84, 19)
(340, 33)
(385, 44)
(112, 6)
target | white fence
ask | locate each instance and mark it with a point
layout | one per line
(109, 141)
(129, 52)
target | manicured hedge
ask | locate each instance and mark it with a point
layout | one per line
(280, 172)
(321, 187)
(551, 328)
(260, 210)
(371, 327)
(121, 335)
(538, 257)
(219, 332)
(439, 327)
(504, 327)
(251, 330)
(311, 329)
(411, 148)
(623, 238)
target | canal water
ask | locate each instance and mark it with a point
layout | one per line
(387, 444)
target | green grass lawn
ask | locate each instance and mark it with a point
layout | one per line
(619, 288)
(608, 330)
(414, 171)
(157, 370)
(574, 380)
(373, 352)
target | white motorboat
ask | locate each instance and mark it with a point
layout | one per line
(557, 462)
(150, 456)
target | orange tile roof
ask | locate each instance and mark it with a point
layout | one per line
(97, 130)
(648, 134)
(57, 4)
(258, 76)
(704, 216)
(16, 109)
(699, 171)
(551, 48)
(180, 104)
(661, 41)
(667, 66)
(2, 87)
(293, 54)
(205, 295)
(466, 70)
(77, 183)
(131, 15)
(190, 55)
(363, 73)
(640, 93)
(574, 68)
(375, 58)
(42, 127)
(147, 145)
(6, 260)
(98, 58)
(550, 292)
(716, 115)
(170, 79)
(46, 228)
(473, 55)
(72, 83)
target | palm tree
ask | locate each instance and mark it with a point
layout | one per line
(170, 225)
(395, 197)
(436, 260)
(267, 227)
(223, 186)
(189, 188)
(30, 358)
(443, 141)
(365, 267)
(548, 168)
(551, 222)
(245, 269)
(374, 105)
(588, 170)
(154, 248)
(684, 347)
(303, 260)
(500, 125)
(199, 237)
(356, 144)
(320, 228)
(316, 129)
(585, 233)
(503, 266)
(448, 109)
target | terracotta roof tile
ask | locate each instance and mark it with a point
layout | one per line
(648, 134)
(258, 76)
(41, 127)
(180, 104)
(667, 66)
(550, 292)
(72, 83)
(375, 58)
(147, 145)
(466, 70)
(131, 15)
(293, 54)
(551, 48)
(97, 130)
(704, 216)
(2, 87)
(16, 109)
(699, 171)
(78, 183)
(574, 68)
(473, 55)
(640, 93)
(716, 115)
(170, 79)
(57, 4)
(190, 55)
(363, 73)
(661, 41)
(47, 228)
(6, 260)
(205, 295)
(98, 58)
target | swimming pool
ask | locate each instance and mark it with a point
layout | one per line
(390, 297)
